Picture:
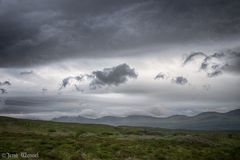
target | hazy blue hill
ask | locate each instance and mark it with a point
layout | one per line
(202, 121)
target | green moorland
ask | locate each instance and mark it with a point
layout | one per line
(68, 141)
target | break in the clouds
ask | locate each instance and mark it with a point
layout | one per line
(38, 32)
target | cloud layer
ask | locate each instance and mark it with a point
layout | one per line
(39, 32)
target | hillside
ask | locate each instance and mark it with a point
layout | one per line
(202, 121)
(69, 141)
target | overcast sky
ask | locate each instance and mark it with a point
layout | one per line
(97, 58)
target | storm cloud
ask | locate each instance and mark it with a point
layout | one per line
(38, 32)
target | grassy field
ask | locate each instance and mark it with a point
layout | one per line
(67, 141)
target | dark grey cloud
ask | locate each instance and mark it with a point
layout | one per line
(107, 77)
(112, 76)
(217, 63)
(37, 32)
(180, 80)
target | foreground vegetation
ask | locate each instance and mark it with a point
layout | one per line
(68, 141)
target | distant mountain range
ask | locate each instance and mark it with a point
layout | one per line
(202, 121)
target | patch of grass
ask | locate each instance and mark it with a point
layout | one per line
(69, 141)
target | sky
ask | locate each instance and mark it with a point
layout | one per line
(118, 58)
